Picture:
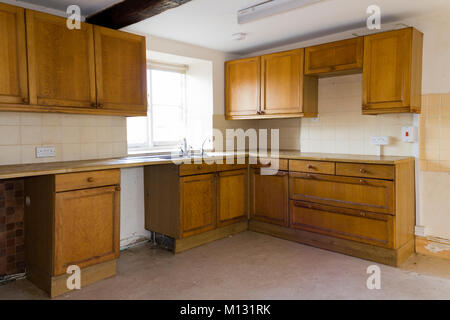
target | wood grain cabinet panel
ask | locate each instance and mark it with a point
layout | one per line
(361, 226)
(121, 71)
(13, 59)
(86, 227)
(392, 76)
(61, 62)
(282, 82)
(232, 204)
(270, 197)
(197, 204)
(340, 57)
(364, 194)
(377, 171)
(324, 167)
(242, 87)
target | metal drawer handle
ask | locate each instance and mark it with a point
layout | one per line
(362, 170)
(362, 181)
(362, 213)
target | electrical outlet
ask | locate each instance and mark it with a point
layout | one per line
(379, 140)
(45, 152)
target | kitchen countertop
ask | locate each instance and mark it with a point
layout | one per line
(37, 169)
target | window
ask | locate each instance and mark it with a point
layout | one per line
(165, 125)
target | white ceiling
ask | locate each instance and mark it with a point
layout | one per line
(87, 6)
(210, 23)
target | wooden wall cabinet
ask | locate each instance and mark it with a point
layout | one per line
(46, 67)
(121, 71)
(195, 203)
(243, 87)
(269, 86)
(284, 89)
(13, 56)
(61, 62)
(392, 76)
(72, 219)
(335, 58)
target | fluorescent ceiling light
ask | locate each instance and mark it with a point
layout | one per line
(270, 8)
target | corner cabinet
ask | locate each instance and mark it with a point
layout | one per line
(13, 56)
(392, 74)
(269, 86)
(46, 67)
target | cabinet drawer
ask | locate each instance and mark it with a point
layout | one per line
(365, 170)
(361, 226)
(363, 194)
(84, 180)
(267, 162)
(227, 167)
(324, 167)
(187, 169)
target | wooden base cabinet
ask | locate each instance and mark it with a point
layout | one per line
(361, 209)
(195, 203)
(269, 197)
(71, 219)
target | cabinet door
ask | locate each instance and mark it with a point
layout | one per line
(270, 197)
(232, 197)
(282, 82)
(87, 228)
(121, 71)
(335, 57)
(387, 75)
(242, 88)
(61, 62)
(197, 204)
(13, 60)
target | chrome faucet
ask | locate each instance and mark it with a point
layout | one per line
(203, 145)
(184, 149)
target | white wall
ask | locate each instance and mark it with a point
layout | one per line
(132, 212)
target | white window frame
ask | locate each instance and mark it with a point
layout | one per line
(150, 144)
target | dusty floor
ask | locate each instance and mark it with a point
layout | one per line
(254, 266)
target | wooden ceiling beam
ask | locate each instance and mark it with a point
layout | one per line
(128, 12)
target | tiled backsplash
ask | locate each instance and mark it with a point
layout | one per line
(434, 133)
(12, 252)
(76, 137)
(341, 128)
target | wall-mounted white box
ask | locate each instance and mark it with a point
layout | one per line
(45, 152)
(379, 140)
(409, 134)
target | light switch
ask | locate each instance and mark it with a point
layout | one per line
(409, 134)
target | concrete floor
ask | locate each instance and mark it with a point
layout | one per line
(254, 266)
